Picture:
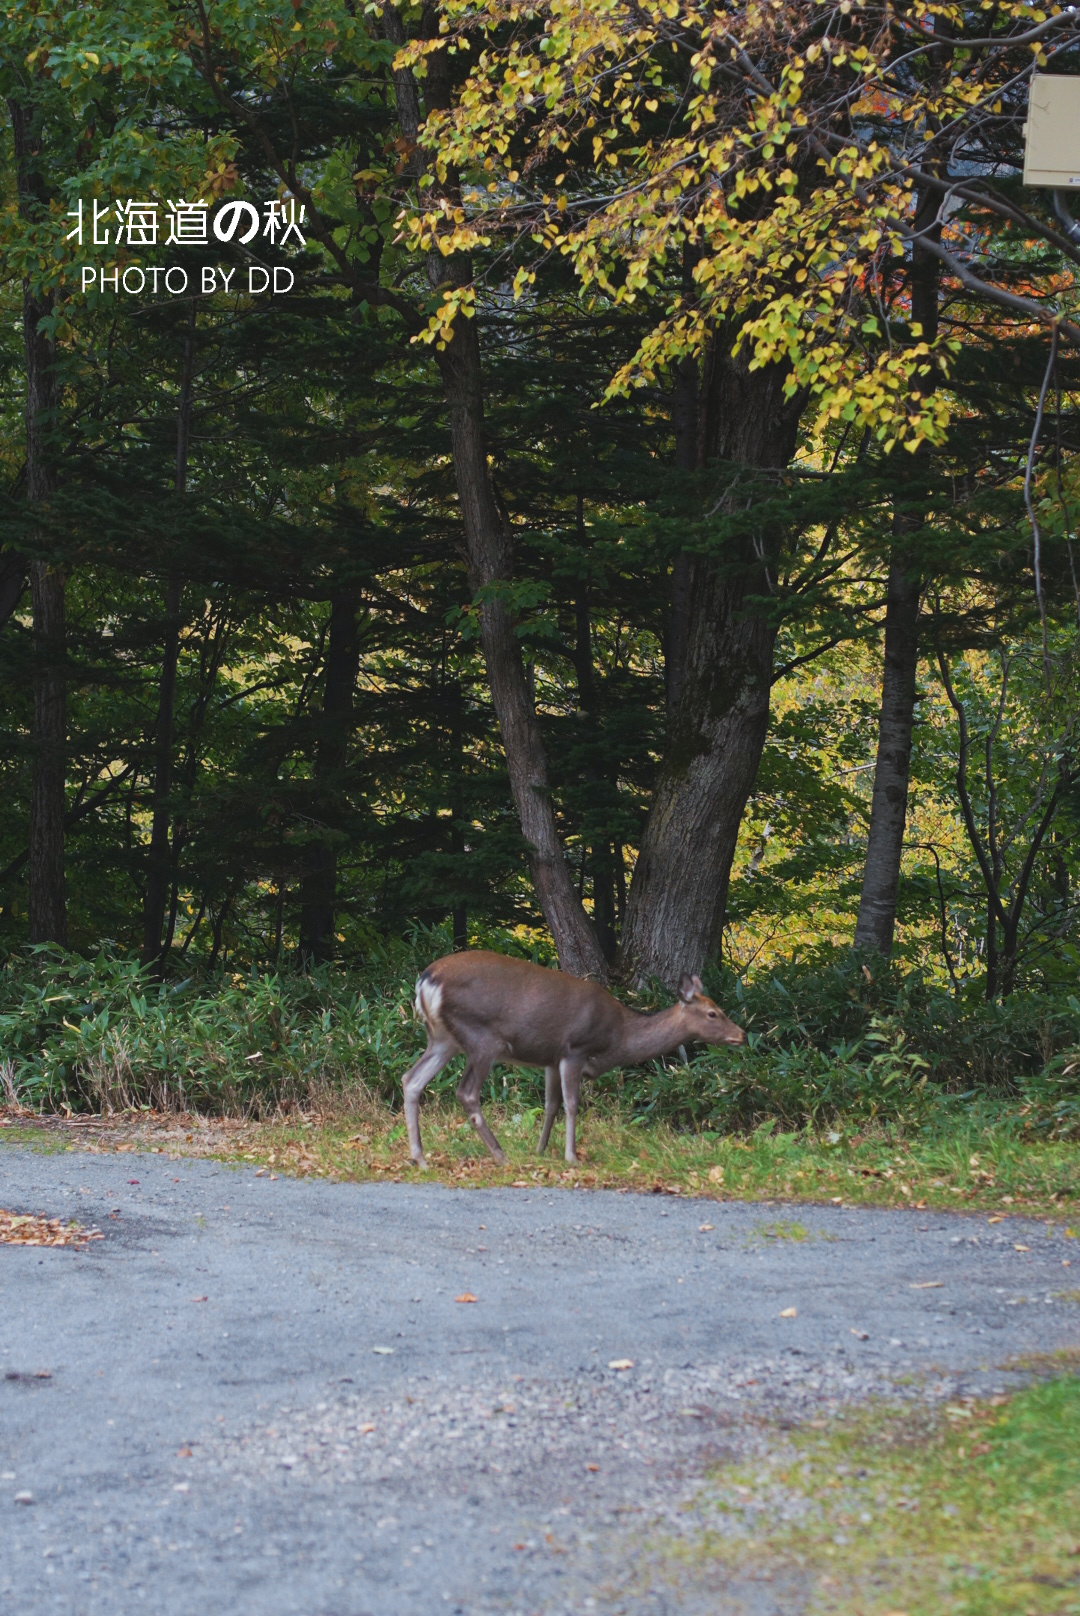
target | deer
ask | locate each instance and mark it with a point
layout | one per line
(495, 1008)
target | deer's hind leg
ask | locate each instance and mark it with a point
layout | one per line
(415, 1081)
(570, 1078)
(552, 1101)
(468, 1093)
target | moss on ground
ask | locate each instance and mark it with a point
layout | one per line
(973, 1510)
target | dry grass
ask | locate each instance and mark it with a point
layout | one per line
(969, 1165)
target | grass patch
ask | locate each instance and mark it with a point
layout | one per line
(970, 1511)
(966, 1161)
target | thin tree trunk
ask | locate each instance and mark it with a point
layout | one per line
(489, 562)
(888, 808)
(718, 725)
(598, 856)
(159, 867)
(48, 733)
(13, 578)
(318, 885)
(876, 920)
(459, 913)
(212, 655)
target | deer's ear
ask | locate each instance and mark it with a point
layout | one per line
(688, 986)
(699, 986)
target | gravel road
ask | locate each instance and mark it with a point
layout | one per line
(267, 1398)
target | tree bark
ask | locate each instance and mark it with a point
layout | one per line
(888, 809)
(159, 867)
(13, 580)
(719, 720)
(876, 921)
(48, 732)
(318, 886)
(489, 563)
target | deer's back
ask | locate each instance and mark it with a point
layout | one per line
(525, 1012)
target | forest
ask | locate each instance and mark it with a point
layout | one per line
(636, 533)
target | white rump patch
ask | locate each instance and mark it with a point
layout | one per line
(428, 1002)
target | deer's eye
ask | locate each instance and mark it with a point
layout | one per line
(712, 1015)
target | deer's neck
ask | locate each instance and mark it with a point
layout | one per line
(645, 1037)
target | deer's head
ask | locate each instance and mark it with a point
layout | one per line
(703, 1019)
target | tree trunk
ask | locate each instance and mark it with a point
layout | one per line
(12, 585)
(45, 871)
(888, 808)
(718, 724)
(876, 921)
(159, 868)
(48, 732)
(489, 562)
(318, 886)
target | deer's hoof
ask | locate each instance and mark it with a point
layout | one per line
(420, 1162)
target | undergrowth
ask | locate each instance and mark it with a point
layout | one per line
(831, 1045)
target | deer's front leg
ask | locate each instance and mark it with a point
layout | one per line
(469, 1095)
(570, 1077)
(552, 1098)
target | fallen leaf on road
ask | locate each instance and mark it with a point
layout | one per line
(621, 1363)
(999, 1219)
(24, 1498)
(790, 1313)
(466, 1296)
(364, 1429)
(860, 1335)
(200, 1298)
(183, 1453)
(704, 1228)
(384, 1352)
(592, 1467)
(25, 1229)
(1020, 1248)
(928, 1285)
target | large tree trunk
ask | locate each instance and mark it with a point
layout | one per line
(719, 716)
(48, 732)
(489, 561)
(876, 921)
(159, 868)
(318, 886)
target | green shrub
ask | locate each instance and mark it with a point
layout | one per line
(840, 1041)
